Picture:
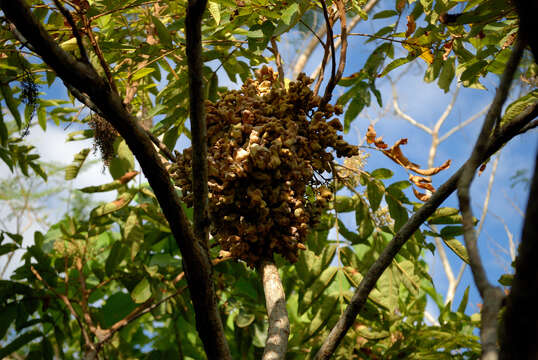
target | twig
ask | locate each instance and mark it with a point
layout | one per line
(74, 29)
(343, 50)
(87, 340)
(408, 229)
(209, 325)
(329, 45)
(403, 115)
(492, 296)
(464, 124)
(135, 314)
(278, 61)
(99, 53)
(275, 301)
(122, 8)
(316, 40)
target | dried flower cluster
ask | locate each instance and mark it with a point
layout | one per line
(265, 146)
(104, 136)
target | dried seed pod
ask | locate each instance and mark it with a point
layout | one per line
(265, 144)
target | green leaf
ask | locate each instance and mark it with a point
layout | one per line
(214, 10)
(123, 200)
(244, 319)
(8, 314)
(322, 316)
(382, 173)
(515, 108)
(11, 104)
(458, 249)
(394, 64)
(19, 342)
(506, 279)
(317, 288)
(7, 248)
(385, 14)
(473, 70)
(141, 292)
(447, 74)
(116, 308)
(344, 204)
(463, 302)
(139, 74)
(115, 257)
(72, 170)
(42, 117)
(445, 215)
(397, 211)
(162, 32)
(116, 184)
(289, 12)
(375, 191)
(133, 233)
(123, 162)
(451, 231)
(354, 108)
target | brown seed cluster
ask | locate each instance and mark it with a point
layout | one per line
(267, 146)
(104, 137)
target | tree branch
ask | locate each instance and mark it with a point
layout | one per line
(84, 77)
(491, 295)
(407, 230)
(209, 327)
(275, 301)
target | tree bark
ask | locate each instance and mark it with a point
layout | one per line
(278, 332)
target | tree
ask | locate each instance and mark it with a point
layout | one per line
(244, 216)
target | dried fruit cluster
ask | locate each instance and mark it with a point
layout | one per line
(265, 145)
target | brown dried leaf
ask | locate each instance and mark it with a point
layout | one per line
(482, 168)
(432, 171)
(395, 153)
(400, 5)
(370, 135)
(411, 26)
(447, 48)
(509, 41)
(421, 196)
(128, 177)
(422, 182)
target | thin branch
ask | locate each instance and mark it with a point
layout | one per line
(121, 9)
(135, 314)
(83, 98)
(403, 115)
(492, 296)
(87, 340)
(335, 78)
(74, 29)
(464, 124)
(275, 301)
(408, 229)
(329, 46)
(431, 318)
(448, 110)
(278, 61)
(99, 53)
(316, 40)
